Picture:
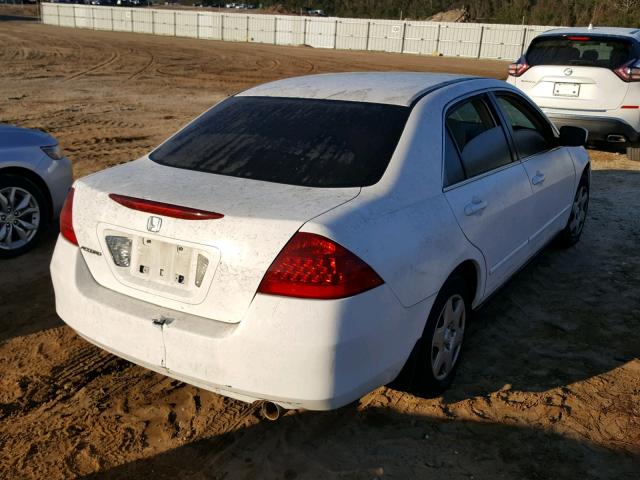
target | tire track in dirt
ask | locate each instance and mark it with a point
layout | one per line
(114, 56)
(146, 66)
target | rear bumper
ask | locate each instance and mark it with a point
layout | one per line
(316, 355)
(600, 128)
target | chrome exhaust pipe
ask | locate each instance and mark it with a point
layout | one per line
(616, 138)
(271, 411)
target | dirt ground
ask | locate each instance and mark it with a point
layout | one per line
(549, 387)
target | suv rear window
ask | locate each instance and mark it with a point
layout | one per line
(583, 50)
(315, 143)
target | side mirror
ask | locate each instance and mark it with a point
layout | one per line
(573, 136)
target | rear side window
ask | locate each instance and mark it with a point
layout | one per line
(453, 171)
(588, 51)
(315, 143)
(531, 134)
(480, 140)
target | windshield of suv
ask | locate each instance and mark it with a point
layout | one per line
(583, 50)
(315, 143)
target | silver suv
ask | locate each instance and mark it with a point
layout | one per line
(587, 77)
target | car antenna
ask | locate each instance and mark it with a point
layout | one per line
(590, 27)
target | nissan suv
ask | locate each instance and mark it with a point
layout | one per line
(586, 77)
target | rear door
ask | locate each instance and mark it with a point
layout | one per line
(576, 72)
(488, 192)
(549, 167)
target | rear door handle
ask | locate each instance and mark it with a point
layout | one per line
(476, 206)
(538, 178)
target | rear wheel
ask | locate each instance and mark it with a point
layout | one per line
(22, 215)
(435, 358)
(633, 153)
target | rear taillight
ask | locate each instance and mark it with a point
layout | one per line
(629, 72)
(165, 209)
(312, 266)
(66, 219)
(519, 67)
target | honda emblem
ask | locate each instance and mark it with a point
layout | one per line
(154, 224)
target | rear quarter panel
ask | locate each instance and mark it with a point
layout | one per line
(403, 226)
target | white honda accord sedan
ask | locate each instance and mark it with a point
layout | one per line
(303, 241)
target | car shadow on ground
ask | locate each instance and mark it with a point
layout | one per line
(380, 443)
(26, 291)
(570, 314)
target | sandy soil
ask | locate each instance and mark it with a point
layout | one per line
(550, 386)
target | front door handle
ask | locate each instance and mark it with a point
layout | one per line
(538, 178)
(476, 206)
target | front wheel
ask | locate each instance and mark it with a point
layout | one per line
(435, 358)
(23, 215)
(573, 230)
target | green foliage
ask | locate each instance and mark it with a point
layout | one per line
(533, 12)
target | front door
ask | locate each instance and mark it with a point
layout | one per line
(549, 168)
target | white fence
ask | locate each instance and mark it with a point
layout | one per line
(475, 40)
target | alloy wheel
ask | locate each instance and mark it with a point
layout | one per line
(19, 217)
(579, 211)
(447, 337)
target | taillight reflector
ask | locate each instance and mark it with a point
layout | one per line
(312, 266)
(518, 68)
(66, 219)
(165, 209)
(628, 72)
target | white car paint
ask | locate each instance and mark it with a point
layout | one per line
(302, 353)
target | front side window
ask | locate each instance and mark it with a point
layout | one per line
(480, 140)
(531, 134)
(307, 142)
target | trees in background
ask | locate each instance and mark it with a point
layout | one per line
(535, 12)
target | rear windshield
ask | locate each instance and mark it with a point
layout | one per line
(315, 143)
(604, 52)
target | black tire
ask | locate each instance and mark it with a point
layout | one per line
(418, 375)
(11, 180)
(633, 153)
(572, 232)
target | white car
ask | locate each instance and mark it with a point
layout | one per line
(588, 77)
(298, 241)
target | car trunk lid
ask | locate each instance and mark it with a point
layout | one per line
(573, 88)
(168, 255)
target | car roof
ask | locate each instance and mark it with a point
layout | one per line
(614, 31)
(393, 88)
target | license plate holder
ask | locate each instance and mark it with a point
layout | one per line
(566, 89)
(162, 262)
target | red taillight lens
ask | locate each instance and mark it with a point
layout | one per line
(166, 209)
(312, 266)
(66, 219)
(628, 72)
(518, 68)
